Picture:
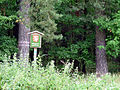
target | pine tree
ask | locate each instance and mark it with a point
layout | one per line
(43, 16)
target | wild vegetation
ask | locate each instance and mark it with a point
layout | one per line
(81, 37)
(16, 76)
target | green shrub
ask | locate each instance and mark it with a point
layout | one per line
(16, 76)
(8, 46)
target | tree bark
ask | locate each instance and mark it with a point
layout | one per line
(101, 61)
(23, 38)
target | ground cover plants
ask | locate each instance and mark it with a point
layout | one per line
(16, 76)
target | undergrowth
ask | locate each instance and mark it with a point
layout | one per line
(16, 75)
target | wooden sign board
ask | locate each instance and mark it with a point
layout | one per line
(35, 39)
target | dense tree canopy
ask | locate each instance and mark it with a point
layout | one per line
(8, 16)
(69, 27)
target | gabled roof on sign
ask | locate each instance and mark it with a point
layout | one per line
(36, 32)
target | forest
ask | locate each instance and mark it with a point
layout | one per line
(79, 48)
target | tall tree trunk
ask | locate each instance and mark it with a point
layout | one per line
(101, 61)
(23, 38)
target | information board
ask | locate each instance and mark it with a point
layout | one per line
(35, 40)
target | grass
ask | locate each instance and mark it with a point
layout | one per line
(15, 76)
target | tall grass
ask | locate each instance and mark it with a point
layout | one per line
(15, 76)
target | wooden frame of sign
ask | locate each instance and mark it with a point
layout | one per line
(35, 41)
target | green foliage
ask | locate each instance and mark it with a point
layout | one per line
(110, 22)
(102, 22)
(113, 48)
(1, 1)
(8, 45)
(8, 7)
(7, 22)
(43, 16)
(15, 76)
(101, 47)
(8, 14)
(76, 27)
(113, 40)
(75, 20)
(77, 51)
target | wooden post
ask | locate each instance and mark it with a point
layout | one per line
(35, 55)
